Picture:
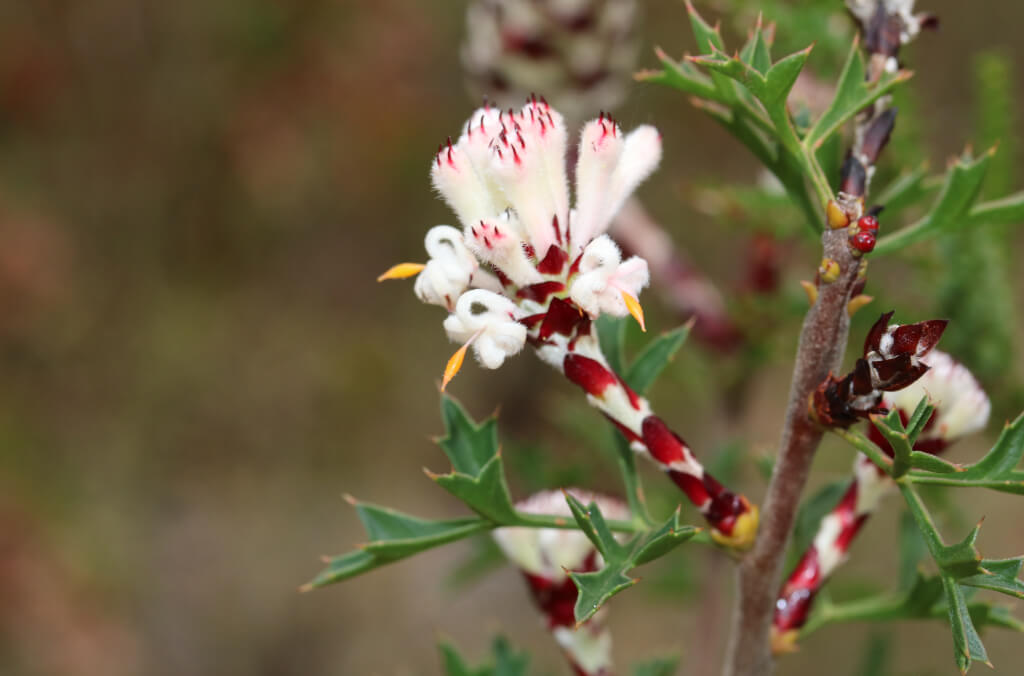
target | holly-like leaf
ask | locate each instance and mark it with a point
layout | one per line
(997, 470)
(653, 359)
(393, 535)
(595, 588)
(853, 93)
(660, 542)
(486, 493)
(1000, 575)
(468, 446)
(592, 523)
(951, 209)
(961, 565)
(478, 475)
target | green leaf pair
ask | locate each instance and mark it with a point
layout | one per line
(597, 587)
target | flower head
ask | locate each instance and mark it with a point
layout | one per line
(521, 245)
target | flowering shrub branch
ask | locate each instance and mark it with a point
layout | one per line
(527, 266)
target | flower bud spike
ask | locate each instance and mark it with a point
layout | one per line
(455, 362)
(402, 271)
(635, 309)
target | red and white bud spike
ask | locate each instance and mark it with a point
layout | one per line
(961, 408)
(566, 340)
(546, 556)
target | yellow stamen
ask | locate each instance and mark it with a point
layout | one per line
(402, 271)
(633, 305)
(453, 365)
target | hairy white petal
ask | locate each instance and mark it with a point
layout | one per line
(603, 278)
(449, 270)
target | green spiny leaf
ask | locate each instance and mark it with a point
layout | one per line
(469, 446)
(660, 542)
(1004, 456)
(919, 418)
(998, 575)
(592, 523)
(950, 210)
(967, 644)
(393, 536)
(853, 94)
(680, 75)
(486, 493)
(649, 364)
(891, 428)
(756, 53)
(596, 588)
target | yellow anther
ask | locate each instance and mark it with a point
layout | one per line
(857, 302)
(402, 271)
(810, 290)
(829, 270)
(454, 364)
(633, 305)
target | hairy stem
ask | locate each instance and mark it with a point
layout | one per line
(822, 343)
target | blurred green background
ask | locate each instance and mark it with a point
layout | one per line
(196, 362)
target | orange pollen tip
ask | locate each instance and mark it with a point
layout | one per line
(402, 271)
(633, 305)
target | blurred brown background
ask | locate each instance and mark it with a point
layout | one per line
(195, 198)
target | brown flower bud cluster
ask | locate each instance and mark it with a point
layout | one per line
(891, 362)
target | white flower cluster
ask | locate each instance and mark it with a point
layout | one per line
(506, 179)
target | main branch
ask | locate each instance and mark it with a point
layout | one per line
(822, 343)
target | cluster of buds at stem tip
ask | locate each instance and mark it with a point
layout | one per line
(545, 557)
(888, 25)
(525, 268)
(892, 361)
(961, 408)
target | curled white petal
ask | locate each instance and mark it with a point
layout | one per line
(961, 405)
(450, 269)
(604, 277)
(490, 320)
(590, 647)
